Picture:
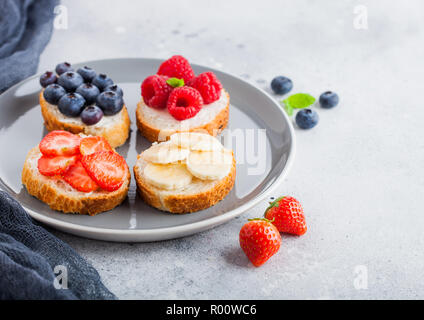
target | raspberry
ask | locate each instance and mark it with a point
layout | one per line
(208, 85)
(177, 67)
(184, 103)
(155, 91)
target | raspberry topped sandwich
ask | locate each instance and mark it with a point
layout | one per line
(85, 102)
(190, 172)
(76, 173)
(176, 100)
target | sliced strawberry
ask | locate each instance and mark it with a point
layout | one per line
(90, 145)
(60, 143)
(78, 178)
(107, 168)
(51, 166)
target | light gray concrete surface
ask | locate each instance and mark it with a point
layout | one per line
(359, 174)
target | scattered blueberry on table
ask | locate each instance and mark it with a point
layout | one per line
(281, 85)
(329, 100)
(307, 118)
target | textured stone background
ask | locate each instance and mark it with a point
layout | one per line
(359, 173)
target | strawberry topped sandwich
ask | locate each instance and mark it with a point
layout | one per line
(76, 173)
(176, 100)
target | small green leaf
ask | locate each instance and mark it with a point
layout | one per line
(175, 82)
(288, 108)
(298, 101)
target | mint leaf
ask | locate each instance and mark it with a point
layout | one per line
(175, 82)
(297, 101)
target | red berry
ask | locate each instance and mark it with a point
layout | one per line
(90, 145)
(78, 178)
(51, 166)
(288, 216)
(208, 85)
(184, 103)
(177, 67)
(155, 91)
(60, 143)
(260, 240)
(107, 168)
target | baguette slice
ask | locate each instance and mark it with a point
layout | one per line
(115, 129)
(199, 195)
(158, 125)
(62, 197)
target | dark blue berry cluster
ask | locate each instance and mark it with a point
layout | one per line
(83, 93)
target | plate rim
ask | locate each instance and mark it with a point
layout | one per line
(180, 230)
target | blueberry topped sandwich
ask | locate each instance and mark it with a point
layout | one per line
(84, 102)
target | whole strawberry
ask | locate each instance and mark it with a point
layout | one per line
(287, 215)
(260, 240)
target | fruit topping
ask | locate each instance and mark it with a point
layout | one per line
(110, 102)
(77, 177)
(70, 81)
(184, 103)
(51, 166)
(307, 118)
(286, 214)
(208, 85)
(168, 177)
(260, 240)
(94, 144)
(63, 67)
(71, 104)
(178, 67)
(155, 91)
(91, 115)
(208, 165)
(196, 141)
(89, 92)
(329, 100)
(87, 73)
(107, 168)
(281, 85)
(47, 78)
(101, 81)
(53, 93)
(115, 88)
(60, 143)
(165, 153)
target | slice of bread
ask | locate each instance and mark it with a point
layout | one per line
(115, 129)
(60, 196)
(158, 125)
(199, 195)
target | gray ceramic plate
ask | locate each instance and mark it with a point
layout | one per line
(262, 163)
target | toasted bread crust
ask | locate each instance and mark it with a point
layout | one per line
(186, 203)
(115, 135)
(92, 203)
(213, 127)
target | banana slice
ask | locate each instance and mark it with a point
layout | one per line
(196, 141)
(167, 176)
(209, 165)
(165, 152)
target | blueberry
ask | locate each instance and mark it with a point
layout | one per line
(53, 93)
(63, 67)
(70, 81)
(281, 85)
(110, 102)
(329, 100)
(87, 73)
(115, 89)
(91, 115)
(47, 78)
(101, 81)
(71, 104)
(89, 92)
(307, 118)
